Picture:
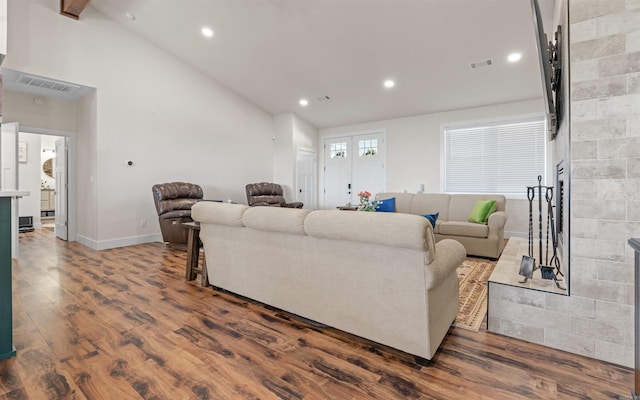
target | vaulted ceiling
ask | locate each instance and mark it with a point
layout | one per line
(337, 53)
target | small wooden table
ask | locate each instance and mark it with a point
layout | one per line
(348, 208)
(194, 244)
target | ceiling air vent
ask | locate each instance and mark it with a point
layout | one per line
(323, 98)
(48, 84)
(481, 64)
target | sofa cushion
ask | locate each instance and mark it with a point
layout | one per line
(277, 219)
(385, 229)
(430, 203)
(459, 228)
(386, 205)
(218, 213)
(481, 211)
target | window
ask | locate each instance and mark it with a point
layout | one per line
(501, 157)
(338, 150)
(367, 147)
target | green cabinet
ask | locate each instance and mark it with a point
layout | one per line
(6, 319)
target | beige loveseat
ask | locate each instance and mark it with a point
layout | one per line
(454, 209)
(380, 276)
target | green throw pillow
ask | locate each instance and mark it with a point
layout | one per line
(481, 211)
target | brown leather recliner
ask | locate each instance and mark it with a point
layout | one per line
(173, 202)
(268, 194)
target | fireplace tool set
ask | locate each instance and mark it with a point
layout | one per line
(551, 267)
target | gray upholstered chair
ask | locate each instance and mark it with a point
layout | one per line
(173, 202)
(268, 194)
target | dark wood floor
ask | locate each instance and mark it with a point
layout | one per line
(124, 324)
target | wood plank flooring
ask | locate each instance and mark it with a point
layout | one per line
(124, 324)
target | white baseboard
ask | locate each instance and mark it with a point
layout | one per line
(515, 234)
(122, 242)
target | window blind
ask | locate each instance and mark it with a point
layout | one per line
(501, 158)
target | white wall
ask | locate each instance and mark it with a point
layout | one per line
(85, 182)
(304, 134)
(291, 133)
(173, 122)
(283, 154)
(413, 150)
(51, 113)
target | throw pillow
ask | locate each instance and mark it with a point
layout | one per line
(432, 218)
(386, 205)
(481, 211)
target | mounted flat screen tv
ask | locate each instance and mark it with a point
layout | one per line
(548, 54)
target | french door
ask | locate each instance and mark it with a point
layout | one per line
(353, 164)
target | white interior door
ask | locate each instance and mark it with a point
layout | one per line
(60, 172)
(306, 160)
(337, 172)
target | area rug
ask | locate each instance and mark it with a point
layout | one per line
(473, 275)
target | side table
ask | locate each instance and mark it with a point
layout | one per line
(194, 244)
(348, 208)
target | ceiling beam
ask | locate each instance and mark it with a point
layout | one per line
(73, 8)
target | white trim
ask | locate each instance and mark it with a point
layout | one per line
(509, 234)
(490, 121)
(358, 133)
(122, 242)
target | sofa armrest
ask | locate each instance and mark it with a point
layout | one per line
(449, 256)
(497, 220)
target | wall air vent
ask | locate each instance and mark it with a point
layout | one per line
(48, 84)
(481, 64)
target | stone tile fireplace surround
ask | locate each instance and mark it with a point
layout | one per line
(595, 319)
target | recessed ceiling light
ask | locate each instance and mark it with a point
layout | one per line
(304, 102)
(389, 83)
(513, 57)
(207, 32)
(130, 16)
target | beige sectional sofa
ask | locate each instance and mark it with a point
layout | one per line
(380, 276)
(454, 209)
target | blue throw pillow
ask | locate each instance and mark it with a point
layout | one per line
(386, 205)
(432, 218)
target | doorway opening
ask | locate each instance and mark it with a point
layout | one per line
(48, 173)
